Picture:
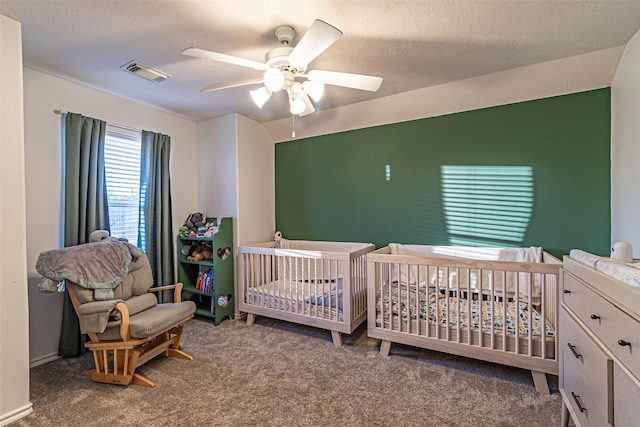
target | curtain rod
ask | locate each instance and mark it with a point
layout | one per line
(63, 112)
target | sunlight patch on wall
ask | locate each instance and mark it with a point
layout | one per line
(487, 205)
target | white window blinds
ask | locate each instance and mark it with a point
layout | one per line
(122, 167)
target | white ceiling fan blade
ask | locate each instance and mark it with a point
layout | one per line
(319, 37)
(355, 81)
(221, 57)
(309, 106)
(225, 85)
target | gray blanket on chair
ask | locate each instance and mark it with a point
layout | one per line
(100, 266)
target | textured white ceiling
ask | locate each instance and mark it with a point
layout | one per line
(411, 44)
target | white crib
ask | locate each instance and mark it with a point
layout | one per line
(498, 305)
(315, 283)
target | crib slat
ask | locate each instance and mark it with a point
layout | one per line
(469, 313)
(517, 312)
(504, 311)
(530, 314)
(407, 301)
(492, 311)
(543, 313)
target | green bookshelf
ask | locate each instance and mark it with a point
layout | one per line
(213, 293)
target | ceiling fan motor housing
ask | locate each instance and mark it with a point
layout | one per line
(278, 57)
(285, 34)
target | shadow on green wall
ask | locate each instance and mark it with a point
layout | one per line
(487, 205)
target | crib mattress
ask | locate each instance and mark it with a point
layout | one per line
(427, 303)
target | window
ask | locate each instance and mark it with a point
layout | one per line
(122, 168)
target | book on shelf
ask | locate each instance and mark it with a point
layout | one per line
(204, 282)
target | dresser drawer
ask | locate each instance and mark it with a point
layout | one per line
(626, 409)
(580, 298)
(618, 331)
(586, 374)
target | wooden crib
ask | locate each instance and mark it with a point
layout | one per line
(498, 305)
(320, 284)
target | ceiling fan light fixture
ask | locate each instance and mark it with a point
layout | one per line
(274, 79)
(314, 89)
(286, 63)
(296, 105)
(260, 96)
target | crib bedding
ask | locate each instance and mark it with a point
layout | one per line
(302, 297)
(507, 282)
(422, 302)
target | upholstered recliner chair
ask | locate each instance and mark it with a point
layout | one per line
(109, 282)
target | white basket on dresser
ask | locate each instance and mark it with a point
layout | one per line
(600, 348)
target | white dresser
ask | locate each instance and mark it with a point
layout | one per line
(599, 348)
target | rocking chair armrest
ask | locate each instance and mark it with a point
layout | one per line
(94, 307)
(125, 334)
(94, 316)
(177, 290)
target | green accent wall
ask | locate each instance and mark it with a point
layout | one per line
(389, 183)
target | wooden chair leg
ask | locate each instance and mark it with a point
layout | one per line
(138, 379)
(179, 354)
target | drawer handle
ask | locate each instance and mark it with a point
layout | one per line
(577, 399)
(623, 343)
(595, 317)
(573, 350)
(566, 291)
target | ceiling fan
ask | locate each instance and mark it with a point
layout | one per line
(285, 68)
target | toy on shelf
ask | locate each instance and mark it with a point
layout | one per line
(197, 251)
(192, 224)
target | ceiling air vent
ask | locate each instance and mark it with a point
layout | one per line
(145, 71)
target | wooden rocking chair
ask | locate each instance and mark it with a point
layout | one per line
(131, 328)
(117, 360)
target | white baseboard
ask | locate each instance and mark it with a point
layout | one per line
(43, 359)
(9, 417)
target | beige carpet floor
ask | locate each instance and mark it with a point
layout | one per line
(281, 374)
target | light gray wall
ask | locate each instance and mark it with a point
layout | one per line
(236, 174)
(14, 338)
(625, 148)
(256, 183)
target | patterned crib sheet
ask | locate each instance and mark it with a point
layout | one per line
(482, 312)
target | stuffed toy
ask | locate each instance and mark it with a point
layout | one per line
(201, 231)
(195, 220)
(183, 232)
(198, 251)
(206, 250)
(223, 253)
(212, 228)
